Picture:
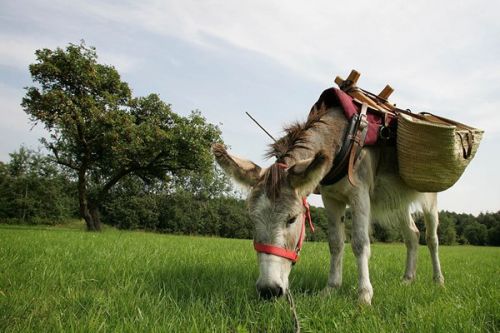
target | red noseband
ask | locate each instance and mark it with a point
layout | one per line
(282, 252)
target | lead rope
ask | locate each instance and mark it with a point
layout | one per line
(296, 321)
(289, 297)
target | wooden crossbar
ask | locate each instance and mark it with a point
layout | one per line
(377, 102)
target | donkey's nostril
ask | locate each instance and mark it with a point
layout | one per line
(268, 292)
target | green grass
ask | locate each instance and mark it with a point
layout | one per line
(64, 279)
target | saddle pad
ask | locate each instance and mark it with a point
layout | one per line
(334, 97)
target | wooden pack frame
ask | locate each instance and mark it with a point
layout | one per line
(378, 102)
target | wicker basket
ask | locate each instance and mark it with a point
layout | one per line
(433, 152)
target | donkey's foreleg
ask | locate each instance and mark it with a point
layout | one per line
(336, 237)
(360, 243)
(431, 220)
(411, 236)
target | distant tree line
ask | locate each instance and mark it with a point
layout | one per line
(36, 190)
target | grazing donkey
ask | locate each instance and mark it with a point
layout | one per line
(305, 156)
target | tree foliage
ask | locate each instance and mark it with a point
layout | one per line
(102, 134)
(34, 190)
(476, 233)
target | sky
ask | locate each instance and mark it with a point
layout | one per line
(273, 59)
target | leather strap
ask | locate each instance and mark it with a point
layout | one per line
(359, 140)
(353, 142)
(340, 162)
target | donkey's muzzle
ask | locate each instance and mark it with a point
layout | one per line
(269, 291)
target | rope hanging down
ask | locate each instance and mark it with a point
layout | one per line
(296, 321)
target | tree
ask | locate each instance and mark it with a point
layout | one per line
(476, 233)
(320, 220)
(131, 204)
(102, 134)
(447, 234)
(494, 235)
(33, 189)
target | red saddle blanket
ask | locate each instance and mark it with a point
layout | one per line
(334, 97)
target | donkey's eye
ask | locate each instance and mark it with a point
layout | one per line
(291, 220)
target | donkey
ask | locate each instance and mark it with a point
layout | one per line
(277, 206)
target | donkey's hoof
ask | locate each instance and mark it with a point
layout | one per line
(328, 291)
(439, 280)
(365, 297)
(407, 280)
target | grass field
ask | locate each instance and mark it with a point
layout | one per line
(62, 279)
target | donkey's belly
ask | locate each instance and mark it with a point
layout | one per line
(391, 196)
(388, 194)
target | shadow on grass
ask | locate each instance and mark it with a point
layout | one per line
(311, 286)
(202, 281)
(34, 227)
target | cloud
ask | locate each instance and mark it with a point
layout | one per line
(15, 126)
(438, 55)
(11, 112)
(18, 52)
(123, 63)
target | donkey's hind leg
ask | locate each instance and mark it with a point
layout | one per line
(411, 236)
(431, 224)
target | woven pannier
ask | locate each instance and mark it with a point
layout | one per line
(433, 152)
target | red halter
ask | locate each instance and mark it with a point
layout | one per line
(282, 252)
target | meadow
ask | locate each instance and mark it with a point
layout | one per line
(63, 279)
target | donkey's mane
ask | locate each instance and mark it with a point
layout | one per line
(274, 177)
(296, 137)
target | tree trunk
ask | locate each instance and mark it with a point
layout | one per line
(86, 212)
(24, 202)
(94, 213)
(89, 221)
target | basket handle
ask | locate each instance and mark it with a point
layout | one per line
(449, 121)
(470, 138)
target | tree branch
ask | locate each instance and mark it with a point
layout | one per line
(136, 166)
(62, 162)
(113, 180)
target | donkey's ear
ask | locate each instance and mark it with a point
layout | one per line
(243, 171)
(305, 175)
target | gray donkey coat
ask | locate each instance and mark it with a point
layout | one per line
(275, 200)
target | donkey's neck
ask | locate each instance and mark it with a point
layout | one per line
(326, 136)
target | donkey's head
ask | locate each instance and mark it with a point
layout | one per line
(277, 208)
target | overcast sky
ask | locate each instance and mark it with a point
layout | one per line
(273, 59)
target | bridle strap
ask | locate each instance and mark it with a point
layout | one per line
(282, 165)
(277, 251)
(307, 213)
